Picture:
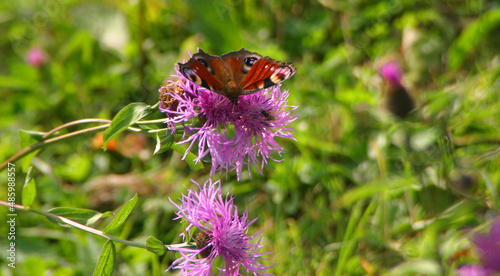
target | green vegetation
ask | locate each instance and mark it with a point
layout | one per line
(359, 193)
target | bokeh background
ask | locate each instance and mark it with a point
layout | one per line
(359, 193)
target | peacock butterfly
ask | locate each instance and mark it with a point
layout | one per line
(236, 73)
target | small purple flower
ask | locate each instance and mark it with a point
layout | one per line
(35, 57)
(234, 135)
(396, 100)
(489, 254)
(391, 71)
(222, 234)
(472, 270)
(489, 247)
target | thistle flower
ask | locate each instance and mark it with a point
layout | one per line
(489, 247)
(222, 233)
(35, 57)
(397, 99)
(233, 136)
(489, 253)
(391, 71)
(472, 270)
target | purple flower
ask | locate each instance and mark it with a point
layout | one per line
(472, 270)
(233, 136)
(396, 100)
(489, 254)
(222, 233)
(35, 57)
(391, 71)
(489, 247)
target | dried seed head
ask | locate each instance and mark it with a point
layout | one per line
(166, 90)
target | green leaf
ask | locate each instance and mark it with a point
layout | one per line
(190, 158)
(190, 245)
(27, 140)
(82, 216)
(371, 189)
(122, 215)
(107, 214)
(29, 189)
(164, 142)
(11, 82)
(128, 116)
(107, 260)
(472, 36)
(155, 245)
(38, 136)
(417, 267)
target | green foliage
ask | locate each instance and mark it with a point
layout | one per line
(122, 215)
(107, 260)
(29, 189)
(83, 216)
(128, 116)
(358, 193)
(190, 157)
(156, 246)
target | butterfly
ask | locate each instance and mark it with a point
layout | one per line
(236, 73)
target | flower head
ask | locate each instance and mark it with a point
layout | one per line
(35, 57)
(472, 270)
(489, 247)
(396, 100)
(391, 71)
(233, 136)
(489, 254)
(222, 233)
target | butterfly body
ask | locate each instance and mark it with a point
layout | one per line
(236, 73)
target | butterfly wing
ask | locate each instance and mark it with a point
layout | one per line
(265, 73)
(199, 69)
(236, 73)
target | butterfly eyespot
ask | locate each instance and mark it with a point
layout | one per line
(202, 61)
(190, 74)
(281, 74)
(250, 61)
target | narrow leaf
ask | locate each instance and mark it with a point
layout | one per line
(190, 158)
(38, 136)
(107, 260)
(417, 267)
(122, 215)
(189, 245)
(82, 216)
(128, 116)
(26, 141)
(164, 142)
(473, 36)
(29, 189)
(155, 245)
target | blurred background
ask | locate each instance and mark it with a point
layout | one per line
(361, 191)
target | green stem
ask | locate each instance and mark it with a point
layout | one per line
(44, 143)
(91, 130)
(145, 122)
(155, 105)
(75, 224)
(83, 121)
(158, 130)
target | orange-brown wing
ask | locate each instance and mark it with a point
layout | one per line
(200, 70)
(265, 73)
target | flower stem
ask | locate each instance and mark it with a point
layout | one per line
(83, 121)
(106, 124)
(75, 224)
(145, 122)
(44, 143)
